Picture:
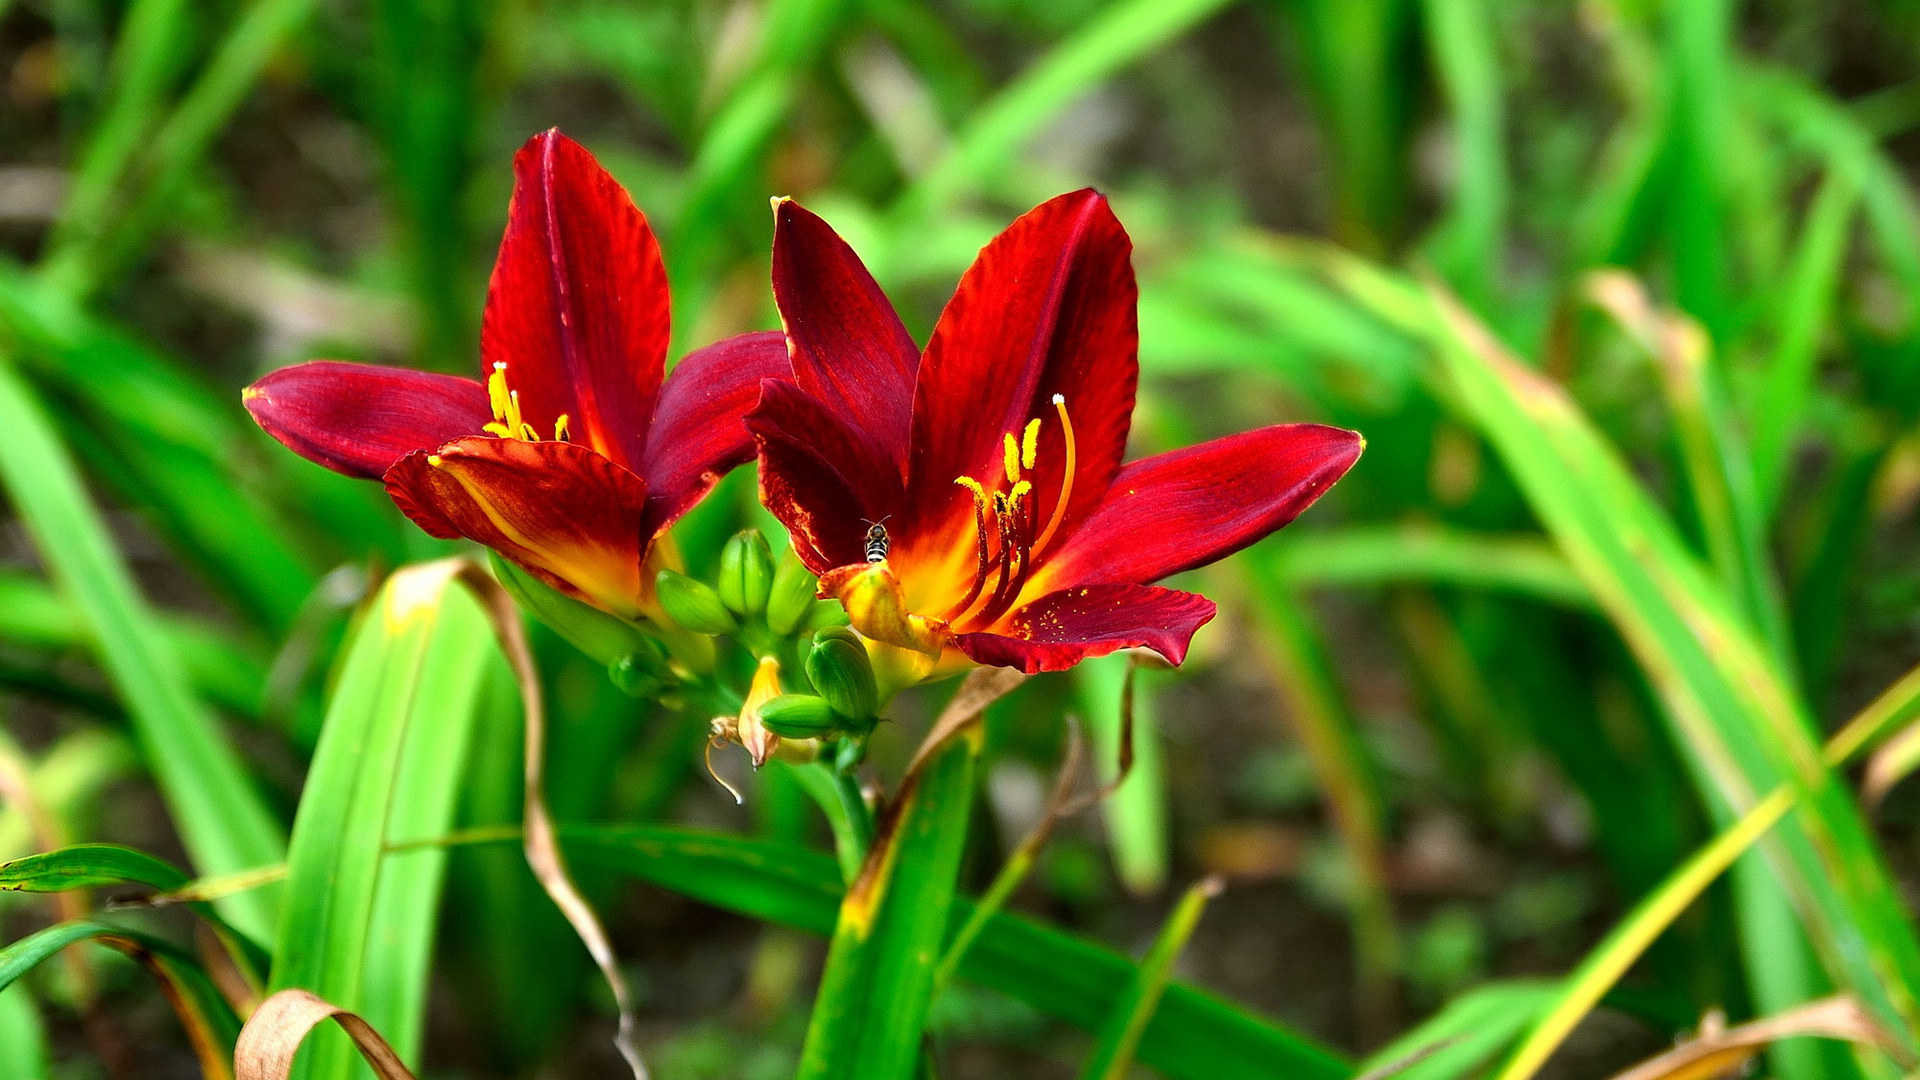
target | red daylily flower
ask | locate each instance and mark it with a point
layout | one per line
(570, 454)
(1009, 531)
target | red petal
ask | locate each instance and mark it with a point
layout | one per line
(697, 435)
(577, 308)
(818, 476)
(359, 418)
(1061, 629)
(1047, 308)
(849, 346)
(564, 513)
(1187, 508)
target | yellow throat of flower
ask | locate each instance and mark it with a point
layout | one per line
(1005, 541)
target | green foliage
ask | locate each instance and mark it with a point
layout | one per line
(1592, 595)
(358, 927)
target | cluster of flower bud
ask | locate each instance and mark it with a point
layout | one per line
(751, 597)
(769, 606)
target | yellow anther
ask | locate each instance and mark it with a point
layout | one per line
(1030, 443)
(1066, 475)
(497, 391)
(1024, 487)
(508, 421)
(1012, 457)
(979, 493)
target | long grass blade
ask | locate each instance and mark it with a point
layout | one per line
(175, 145)
(887, 938)
(23, 1038)
(1120, 1038)
(220, 817)
(1742, 724)
(209, 1022)
(1807, 306)
(1111, 39)
(1470, 241)
(1379, 555)
(1459, 1040)
(415, 660)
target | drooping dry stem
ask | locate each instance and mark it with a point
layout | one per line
(541, 845)
(274, 1033)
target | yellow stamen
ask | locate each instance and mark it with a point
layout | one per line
(508, 421)
(1012, 457)
(1022, 488)
(1066, 476)
(1030, 443)
(497, 390)
(979, 493)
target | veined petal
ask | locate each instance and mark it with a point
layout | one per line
(359, 419)
(697, 434)
(1178, 510)
(1061, 629)
(818, 476)
(561, 511)
(577, 308)
(849, 347)
(1046, 309)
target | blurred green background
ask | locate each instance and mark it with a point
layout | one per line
(1448, 728)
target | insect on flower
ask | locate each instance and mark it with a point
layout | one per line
(571, 453)
(878, 542)
(1021, 538)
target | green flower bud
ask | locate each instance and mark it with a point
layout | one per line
(798, 716)
(794, 588)
(820, 615)
(693, 604)
(843, 675)
(746, 572)
(840, 632)
(604, 637)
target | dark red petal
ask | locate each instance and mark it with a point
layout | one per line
(561, 511)
(697, 433)
(849, 347)
(1183, 509)
(1061, 629)
(1047, 308)
(359, 419)
(577, 308)
(818, 476)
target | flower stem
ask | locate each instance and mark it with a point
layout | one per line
(839, 798)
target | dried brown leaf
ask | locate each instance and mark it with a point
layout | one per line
(274, 1033)
(1719, 1052)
